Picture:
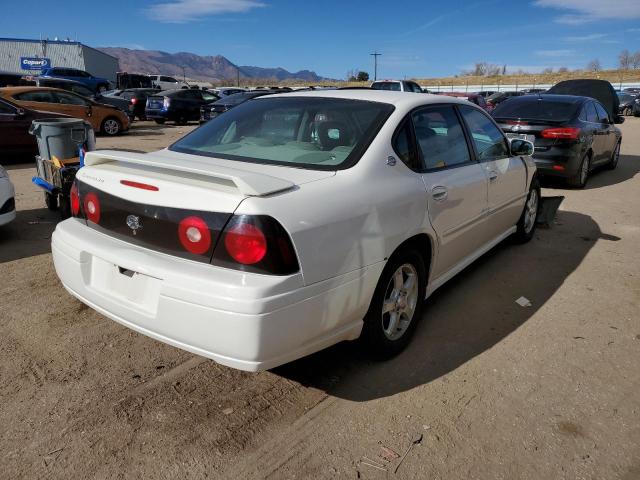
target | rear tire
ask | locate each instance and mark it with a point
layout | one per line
(527, 224)
(396, 306)
(579, 180)
(160, 121)
(613, 163)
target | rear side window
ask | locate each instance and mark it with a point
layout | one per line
(592, 116)
(403, 146)
(168, 79)
(603, 116)
(488, 140)
(68, 99)
(440, 137)
(44, 97)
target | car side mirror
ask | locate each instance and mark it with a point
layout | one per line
(618, 119)
(521, 147)
(20, 112)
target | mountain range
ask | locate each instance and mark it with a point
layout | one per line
(215, 68)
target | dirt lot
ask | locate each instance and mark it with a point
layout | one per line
(498, 391)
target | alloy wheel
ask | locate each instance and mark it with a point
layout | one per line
(400, 301)
(111, 126)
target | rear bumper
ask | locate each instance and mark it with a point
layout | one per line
(246, 321)
(157, 114)
(559, 162)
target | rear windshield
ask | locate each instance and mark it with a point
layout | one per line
(625, 97)
(535, 109)
(235, 99)
(305, 132)
(395, 86)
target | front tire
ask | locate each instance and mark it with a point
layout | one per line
(111, 126)
(396, 306)
(527, 224)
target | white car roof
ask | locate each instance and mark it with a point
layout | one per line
(399, 99)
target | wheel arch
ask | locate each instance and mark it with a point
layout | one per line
(424, 244)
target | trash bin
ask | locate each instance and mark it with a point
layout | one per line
(62, 137)
(61, 143)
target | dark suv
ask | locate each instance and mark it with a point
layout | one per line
(179, 106)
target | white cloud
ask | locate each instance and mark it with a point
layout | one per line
(584, 11)
(183, 11)
(555, 53)
(586, 38)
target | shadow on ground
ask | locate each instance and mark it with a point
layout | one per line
(28, 235)
(466, 317)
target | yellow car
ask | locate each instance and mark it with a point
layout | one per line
(103, 118)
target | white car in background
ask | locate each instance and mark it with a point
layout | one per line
(164, 82)
(7, 198)
(293, 222)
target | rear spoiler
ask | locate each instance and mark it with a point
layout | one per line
(248, 183)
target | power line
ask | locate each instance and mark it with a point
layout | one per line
(375, 56)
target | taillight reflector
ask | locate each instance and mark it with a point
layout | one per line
(559, 168)
(568, 133)
(194, 235)
(92, 207)
(75, 200)
(143, 186)
(245, 243)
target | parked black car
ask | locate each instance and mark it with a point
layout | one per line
(136, 99)
(499, 97)
(572, 135)
(125, 81)
(207, 112)
(10, 79)
(629, 104)
(179, 106)
(81, 89)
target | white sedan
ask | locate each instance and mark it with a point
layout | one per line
(7, 200)
(296, 221)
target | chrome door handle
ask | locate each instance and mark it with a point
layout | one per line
(439, 194)
(493, 175)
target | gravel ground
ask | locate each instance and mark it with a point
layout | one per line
(495, 390)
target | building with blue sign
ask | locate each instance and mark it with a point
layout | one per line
(29, 57)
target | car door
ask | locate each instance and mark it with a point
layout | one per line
(594, 131)
(78, 107)
(14, 128)
(607, 133)
(506, 175)
(455, 184)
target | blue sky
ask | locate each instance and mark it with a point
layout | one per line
(416, 38)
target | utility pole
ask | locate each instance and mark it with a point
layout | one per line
(184, 76)
(237, 76)
(375, 56)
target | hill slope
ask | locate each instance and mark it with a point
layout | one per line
(210, 68)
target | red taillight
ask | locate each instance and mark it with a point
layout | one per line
(570, 133)
(143, 186)
(559, 168)
(194, 235)
(75, 200)
(92, 207)
(245, 243)
(134, 101)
